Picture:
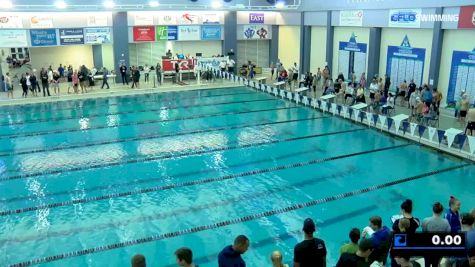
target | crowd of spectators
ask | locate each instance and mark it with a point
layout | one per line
(370, 247)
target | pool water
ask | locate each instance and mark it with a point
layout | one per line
(93, 182)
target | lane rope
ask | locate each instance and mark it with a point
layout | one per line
(150, 136)
(77, 129)
(228, 222)
(185, 154)
(95, 115)
(192, 183)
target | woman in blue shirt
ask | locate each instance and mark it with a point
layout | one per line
(453, 215)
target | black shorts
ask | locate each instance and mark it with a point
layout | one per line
(371, 95)
(471, 125)
(402, 93)
(463, 113)
(295, 76)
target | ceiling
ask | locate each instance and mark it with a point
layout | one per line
(124, 5)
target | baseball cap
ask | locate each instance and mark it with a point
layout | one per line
(308, 226)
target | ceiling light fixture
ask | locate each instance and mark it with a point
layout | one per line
(109, 4)
(154, 3)
(61, 4)
(280, 4)
(216, 4)
(6, 4)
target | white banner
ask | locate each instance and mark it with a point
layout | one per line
(323, 106)
(369, 117)
(351, 18)
(432, 132)
(382, 120)
(188, 18)
(211, 18)
(405, 18)
(96, 21)
(167, 19)
(413, 128)
(97, 36)
(471, 143)
(344, 110)
(189, 33)
(13, 38)
(450, 138)
(11, 22)
(143, 19)
(255, 32)
(357, 114)
(41, 22)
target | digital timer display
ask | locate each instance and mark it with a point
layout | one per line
(423, 244)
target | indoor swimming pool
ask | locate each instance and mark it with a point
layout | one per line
(93, 182)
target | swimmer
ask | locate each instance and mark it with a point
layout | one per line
(276, 258)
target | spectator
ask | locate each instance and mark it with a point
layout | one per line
(123, 74)
(452, 215)
(184, 257)
(105, 76)
(381, 240)
(360, 98)
(363, 80)
(427, 96)
(389, 103)
(295, 73)
(373, 88)
(61, 70)
(82, 75)
(470, 122)
(138, 261)
(381, 85)
(230, 256)
(464, 106)
(312, 251)
(341, 77)
(146, 72)
(231, 64)
(467, 222)
(471, 258)
(24, 86)
(402, 91)
(358, 259)
(34, 83)
(136, 77)
(222, 65)
(70, 74)
(9, 85)
(55, 83)
(436, 98)
(277, 260)
(75, 82)
(351, 247)
(44, 81)
(406, 210)
(412, 88)
(387, 84)
(404, 261)
(435, 224)
(158, 71)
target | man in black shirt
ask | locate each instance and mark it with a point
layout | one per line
(412, 89)
(365, 247)
(44, 81)
(123, 74)
(312, 251)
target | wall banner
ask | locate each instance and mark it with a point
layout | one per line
(462, 76)
(189, 33)
(352, 57)
(167, 19)
(211, 18)
(256, 32)
(188, 18)
(167, 33)
(143, 19)
(144, 33)
(467, 17)
(96, 21)
(45, 37)
(73, 36)
(256, 18)
(405, 63)
(209, 32)
(13, 38)
(41, 22)
(351, 18)
(11, 22)
(97, 36)
(405, 18)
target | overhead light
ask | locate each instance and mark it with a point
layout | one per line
(6, 4)
(153, 3)
(280, 4)
(61, 4)
(109, 4)
(216, 4)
